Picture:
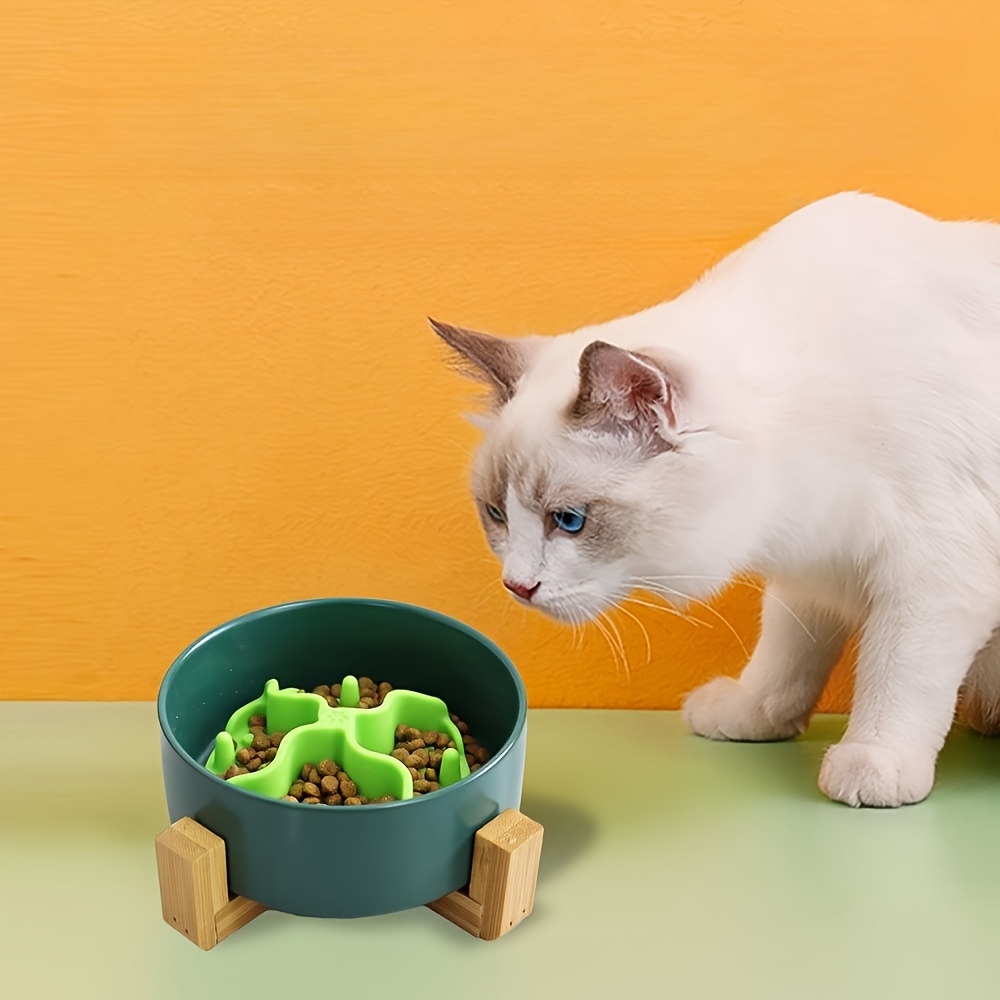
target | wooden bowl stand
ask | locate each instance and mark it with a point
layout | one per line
(194, 887)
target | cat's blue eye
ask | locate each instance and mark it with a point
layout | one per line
(496, 514)
(571, 520)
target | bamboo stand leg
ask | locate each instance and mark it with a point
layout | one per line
(194, 891)
(501, 891)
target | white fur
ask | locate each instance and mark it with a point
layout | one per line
(837, 424)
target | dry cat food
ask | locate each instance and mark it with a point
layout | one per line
(328, 784)
(261, 751)
(372, 694)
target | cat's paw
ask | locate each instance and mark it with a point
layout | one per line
(722, 710)
(862, 774)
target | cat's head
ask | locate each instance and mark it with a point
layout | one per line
(598, 473)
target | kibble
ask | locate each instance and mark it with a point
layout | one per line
(370, 694)
(262, 750)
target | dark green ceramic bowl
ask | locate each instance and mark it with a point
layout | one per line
(325, 861)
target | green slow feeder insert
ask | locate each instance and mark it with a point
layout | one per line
(360, 740)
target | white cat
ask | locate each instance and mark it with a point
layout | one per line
(822, 409)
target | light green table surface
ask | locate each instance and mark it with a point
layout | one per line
(712, 870)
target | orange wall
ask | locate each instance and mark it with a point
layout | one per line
(224, 223)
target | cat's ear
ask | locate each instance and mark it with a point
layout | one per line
(624, 392)
(498, 362)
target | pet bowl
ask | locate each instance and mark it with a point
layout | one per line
(342, 861)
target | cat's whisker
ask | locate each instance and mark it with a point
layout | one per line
(840, 631)
(617, 654)
(600, 628)
(576, 621)
(613, 628)
(656, 590)
(666, 608)
(744, 583)
(642, 629)
(708, 607)
(801, 623)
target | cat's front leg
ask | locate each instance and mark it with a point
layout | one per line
(912, 658)
(774, 698)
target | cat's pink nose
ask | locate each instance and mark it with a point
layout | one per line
(521, 589)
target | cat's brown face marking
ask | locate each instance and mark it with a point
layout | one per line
(609, 528)
(530, 483)
(490, 477)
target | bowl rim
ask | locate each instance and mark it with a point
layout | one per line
(420, 610)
